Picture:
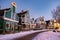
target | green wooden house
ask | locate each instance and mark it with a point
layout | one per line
(9, 19)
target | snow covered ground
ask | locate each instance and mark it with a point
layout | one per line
(47, 36)
(16, 35)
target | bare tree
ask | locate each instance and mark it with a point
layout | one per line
(56, 14)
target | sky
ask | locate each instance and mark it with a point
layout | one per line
(36, 8)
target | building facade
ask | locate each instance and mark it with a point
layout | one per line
(9, 19)
(50, 24)
(40, 23)
(32, 24)
(24, 19)
(56, 25)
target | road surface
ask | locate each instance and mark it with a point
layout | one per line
(47, 36)
(27, 35)
(32, 35)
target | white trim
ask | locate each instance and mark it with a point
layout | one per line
(10, 19)
(4, 13)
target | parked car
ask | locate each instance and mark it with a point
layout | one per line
(58, 30)
(54, 30)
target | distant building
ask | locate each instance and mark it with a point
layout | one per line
(8, 19)
(37, 23)
(56, 24)
(32, 24)
(40, 23)
(49, 24)
(24, 19)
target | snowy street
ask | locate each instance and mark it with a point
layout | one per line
(47, 36)
(32, 35)
(19, 35)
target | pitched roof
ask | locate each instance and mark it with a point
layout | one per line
(21, 13)
(2, 11)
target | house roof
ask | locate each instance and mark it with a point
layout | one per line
(2, 11)
(21, 13)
